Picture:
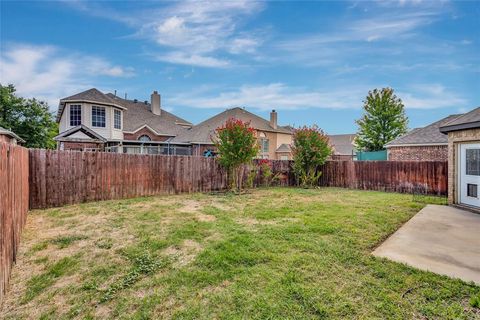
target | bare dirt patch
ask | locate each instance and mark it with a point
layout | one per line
(205, 217)
(190, 206)
(184, 253)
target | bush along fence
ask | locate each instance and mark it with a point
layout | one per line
(13, 206)
(67, 177)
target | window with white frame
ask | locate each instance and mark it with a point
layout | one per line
(98, 117)
(264, 145)
(75, 115)
(117, 119)
(144, 137)
(283, 157)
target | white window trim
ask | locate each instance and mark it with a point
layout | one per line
(70, 114)
(121, 118)
(105, 112)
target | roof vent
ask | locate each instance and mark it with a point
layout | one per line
(135, 100)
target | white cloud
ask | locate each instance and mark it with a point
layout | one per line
(275, 96)
(48, 73)
(180, 57)
(197, 31)
(282, 97)
(194, 33)
(430, 96)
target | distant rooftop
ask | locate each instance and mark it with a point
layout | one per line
(425, 136)
(469, 120)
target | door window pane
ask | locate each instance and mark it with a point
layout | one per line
(472, 164)
(472, 190)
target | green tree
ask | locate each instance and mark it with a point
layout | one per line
(310, 149)
(237, 145)
(29, 118)
(383, 120)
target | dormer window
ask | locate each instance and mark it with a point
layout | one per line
(75, 115)
(98, 117)
(144, 138)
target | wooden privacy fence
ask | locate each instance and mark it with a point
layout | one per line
(429, 177)
(66, 177)
(13, 206)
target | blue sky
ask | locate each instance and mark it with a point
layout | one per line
(313, 62)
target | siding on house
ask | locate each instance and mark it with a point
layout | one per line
(454, 139)
(108, 132)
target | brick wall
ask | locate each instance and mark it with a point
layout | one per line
(146, 131)
(454, 138)
(420, 153)
(82, 145)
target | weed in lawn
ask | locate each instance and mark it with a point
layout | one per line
(104, 243)
(475, 301)
(143, 264)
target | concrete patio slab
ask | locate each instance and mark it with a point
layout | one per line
(439, 239)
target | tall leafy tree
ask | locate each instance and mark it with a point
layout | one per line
(384, 120)
(28, 118)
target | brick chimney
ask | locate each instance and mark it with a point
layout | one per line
(273, 119)
(155, 101)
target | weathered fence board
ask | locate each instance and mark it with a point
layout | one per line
(67, 177)
(14, 171)
(396, 176)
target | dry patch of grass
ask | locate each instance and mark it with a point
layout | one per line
(272, 253)
(184, 253)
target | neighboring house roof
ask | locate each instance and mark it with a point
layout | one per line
(138, 115)
(202, 132)
(343, 144)
(429, 135)
(11, 134)
(89, 134)
(284, 148)
(469, 120)
(90, 95)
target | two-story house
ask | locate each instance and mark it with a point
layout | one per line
(92, 120)
(274, 140)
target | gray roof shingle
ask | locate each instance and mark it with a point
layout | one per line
(138, 114)
(468, 120)
(424, 136)
(93, 95)
(202, 132)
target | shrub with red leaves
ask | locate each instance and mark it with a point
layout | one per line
(310, 149)
(237, 144)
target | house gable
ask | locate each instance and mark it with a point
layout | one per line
(80, 133)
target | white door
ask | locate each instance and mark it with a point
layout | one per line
(470, 174)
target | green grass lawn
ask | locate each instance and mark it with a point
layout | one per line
(272, 254)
